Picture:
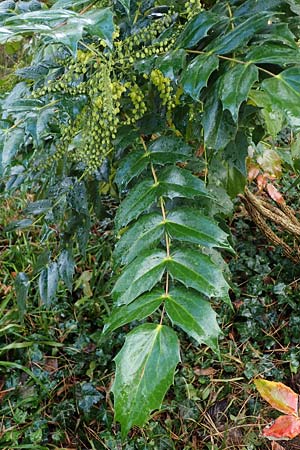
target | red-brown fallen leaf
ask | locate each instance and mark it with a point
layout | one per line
(204, 372)
(283, 428)
(276, 446)
(278, 395)
(253, 171)
(275, 194)
(261, 181)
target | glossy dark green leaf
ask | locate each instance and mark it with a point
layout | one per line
(148, 230)
(197, 271)
(272, 53)
(275, 33)
(191, 312)
(273, 117)
(190, 225)
(141, 275)
(196, 75)
(219, 127)
(100, 23)
(236, 182)
(145, 369)
(140, 308)
(235, 86)
(236, 152)
(284, 92)
(252, 7)
(66, 267)
(42, 16)
(240, 35)
(22, 284)
(48, 282)
(171, 63)
(196, 29)
(138, 201)
(131, 166)
(175, 182)
(12, 142)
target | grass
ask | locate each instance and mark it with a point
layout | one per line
(56, 368)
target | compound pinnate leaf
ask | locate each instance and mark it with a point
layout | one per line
(235, 86)
(196, 29)
(284, 428)
(140, 308)
(197, 271)
(278, 395)
(140, 276)
(145, 369)
(188, 310)
(196, 75)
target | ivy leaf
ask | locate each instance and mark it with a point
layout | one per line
(66, 266)
(88, 397)
(21, 286)
(140, 276)
(283, 428)
(284, 92)
(140, 308)
(194, 315)
(196, 75)
(196, 29)
(140, 236)
(278, 395)
(190, 225)
(197, 271)
(137, 201)
(272, 53)
(240, 35)
(235, 86)
(145, 369)
(48, 282)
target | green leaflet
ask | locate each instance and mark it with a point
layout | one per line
(66, 267)
(196, 29)
(188, 310)
(197, 271)
(284, 92)
(190, 225)
(22, 284)
(10, 146)
(235, 86)
(273, 116)
(140, 276)
(145, 369)
(240, 35)
(195, 76)
(273, 54)
(140, 308)
(171, 63)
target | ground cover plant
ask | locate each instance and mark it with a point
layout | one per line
(128, 131)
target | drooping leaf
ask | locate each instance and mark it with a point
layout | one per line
(235, 86)
(240, 35)
(283, 428)
(196, 29)
(188, 310)
(22, 286)
(278, 395)
(219, 127)
(144, 371)
(140, 236)
(140, 308)
(140, 276)
(284, 92)
(48, 282)
(66, 266)
(138, 201)
(197, 271)
(197, 73)
(272, 53)
(190, 225)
